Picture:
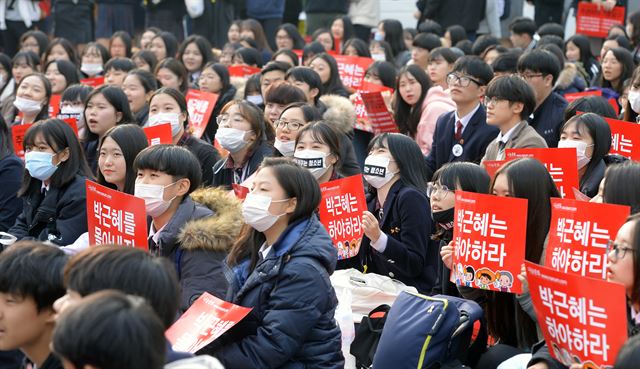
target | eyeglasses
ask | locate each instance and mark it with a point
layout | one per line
(224, 120)
(434, 189)
(292, 126)
(463, 81)
(529, 76)
(492, 101)
(616, 251)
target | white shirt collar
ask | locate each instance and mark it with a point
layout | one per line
(465, 120)
(264, 250)
(505, 138)
(44, 187)
(155, 234)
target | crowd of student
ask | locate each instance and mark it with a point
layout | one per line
(284, 131)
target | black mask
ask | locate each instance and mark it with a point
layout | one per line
(444, 218)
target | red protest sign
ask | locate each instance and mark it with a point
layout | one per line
(160, 134)
(492, 166)
(625, 138)
(352, 69)
(341, 210)
(490, 237)
(17, 132)
(242, 70)
(372, 87)
(200, 105)
(362, 120)
(54, 105)
(380, 118)
(562, 165)
(93, 82)
(582, 319)
(71, 120)
(240, 191)
(579, 233)
(115, 217)
(576, 95)
(207, 319)
(592, 20)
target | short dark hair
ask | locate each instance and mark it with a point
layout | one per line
(506, 63)
(540, 61)
(551, 29)
(310, 50)
(68, 70)
(102, 51)
(146, 79)
(617, 188)
(110, 330)
(27, 57)
(308, 76)
(116, 97)
(5, 62)
(284, 93)
(428, 41)
(551, 40)
(178, 97)
(203, 45)
(590, 104)
(325, 133)
(384, 70)
(250, 56)
(176, 67)
(290, 54)
(445, 53)
(130, 270)
(622, 41)
(33, 269)
(275, 66)
(6, 145)
(76, 93)
(293, 33)
(522, 25)
(361, 47)
(475, 67)
(131, 139)
(222, 72)
(125, 37)
(431, 26)
(173, 160)
(66, 45)
(148, 57)
(170, 43)
(457, 34)
(554, 50)
(629, 355)
(310, 112)
(513, 89)
(408, 156)
(600, 132)
(482, 43)
(123, 64)
(41, 38)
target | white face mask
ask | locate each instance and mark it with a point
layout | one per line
(376, 170)
(634, 100)
(27, 105)
(91, 69)
(171, 118)
(286, 148)
(255, 211)
(581, 148)
(315, 161)
(231, 139)
(378, 57)
(153, 196)
(256, 99)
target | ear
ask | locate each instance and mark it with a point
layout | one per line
(118, 117)
(313, 93)
(291, 206)
(63, 155)
(332, 159)
(481, 91)
(183, 186)
(252, 136)
(548, 80)
(49, 315)
(183, 117)
(517, 107)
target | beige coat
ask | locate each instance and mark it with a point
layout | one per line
(523, 137)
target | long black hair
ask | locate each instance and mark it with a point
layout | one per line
(6, 145)
(619, 185)
(203, 46)
(408, 157)
(408, 116)
(334, 84)
(385, 71)
(394, 35)
(131, 139)
(293, 33)
(116, 97)
(624, 57)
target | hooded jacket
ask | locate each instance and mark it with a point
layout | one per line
(197, 240)
(570, 80)
(341, 113)
(436, 103)
(292, 323)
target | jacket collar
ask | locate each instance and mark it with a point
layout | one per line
(389, 201)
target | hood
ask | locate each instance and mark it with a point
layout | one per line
(340, 112)
(308, 238)
(567, 76)
(198, 362)
(437, 94)
(216, 232)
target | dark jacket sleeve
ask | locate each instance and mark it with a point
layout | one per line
(201, 271)
(71, 219)
(349, 165)
(294, 308)
(431, 9)
(20, 229)
(10, 205)
(431, 157)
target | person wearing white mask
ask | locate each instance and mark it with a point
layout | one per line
(93, 59)
(293, 118)
(398, 220)
(168, 106)
(281, 265)
(318, 150)
(591, 136)
(632, 106)
(72, 106)
(193, 228)
(32, 99)
(243, 132)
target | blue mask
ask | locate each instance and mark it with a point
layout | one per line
(378, 36)
(40, 164)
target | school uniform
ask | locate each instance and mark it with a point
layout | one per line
(225, 173)
(11, 172)
(207, 155)
(521, 136)
(548, 118)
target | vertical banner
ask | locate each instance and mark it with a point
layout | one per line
(352, 69)
(93, 82)
(54, 105)
(592, 20)
(625, 138)
(379, 117)
(583, 320)
(160, 134)
(341, 210)
(115, 217)
(562, 165)
(207, 319)
(242, 70)
(578, 236)
(490, 238)
(200, 105)
(17, 132)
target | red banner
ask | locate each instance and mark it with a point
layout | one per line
(380, 118)
(492, 166)
(93, 82)
(71, 120)
(341, 210)
(242, 70)
(352, 69)
(562, 165)
(17, 132)
(54, 105)
(583, 320)
(115, 217)
(576, 95)
(625, 138)
(490, 237)
(200, 105)
(592, 20)
(160, 134)
(207, 319)
(579, 233)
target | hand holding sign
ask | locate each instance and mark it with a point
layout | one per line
(371, 226)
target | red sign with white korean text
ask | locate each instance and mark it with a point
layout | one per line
(160, 134)
(592, 20)
(578, 236)
(341, 210)
(71, 120)
(379, 116)
(54, 105)
(352, 69)
(490, 237)
(93, 82)
(492, 166)
(207, 319)
(625, 138)
(17, 132)
(561, 163)
(583, 320)
(115, 217)
(200, 105)
(362, 119)
(242, 70)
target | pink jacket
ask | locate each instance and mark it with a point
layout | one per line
(436, 103)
